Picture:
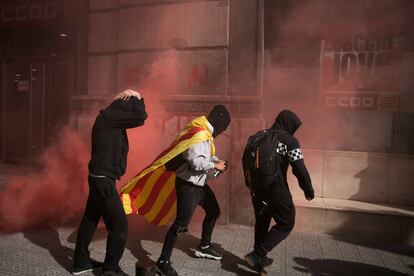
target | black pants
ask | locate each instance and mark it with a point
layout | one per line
(281, 209)
(103, 201)
(188, 197)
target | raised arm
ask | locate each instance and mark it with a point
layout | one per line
(127, 110)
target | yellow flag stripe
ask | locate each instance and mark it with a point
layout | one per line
(146, 191)
(126, 202)
(170, 214)
(166, 190)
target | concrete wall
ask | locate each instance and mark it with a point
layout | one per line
(357, 154)
(216, 59)
(370, 177)
(202, 53)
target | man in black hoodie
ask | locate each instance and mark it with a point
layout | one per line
(108, 163)
(276, 202)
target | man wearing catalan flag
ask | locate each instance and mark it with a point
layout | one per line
(176, 182)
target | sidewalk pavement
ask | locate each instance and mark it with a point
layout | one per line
(49, 250)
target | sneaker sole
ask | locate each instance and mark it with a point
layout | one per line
(87, 270)
(83, 271)
(208, 256)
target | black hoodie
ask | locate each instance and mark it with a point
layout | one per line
(109, 138)
(287, 123)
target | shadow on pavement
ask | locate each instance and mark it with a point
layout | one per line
(392, 247)
(47, 237)
(328, 267)
(140, 230)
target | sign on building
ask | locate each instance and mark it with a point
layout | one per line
(361, 71)
(36, 12)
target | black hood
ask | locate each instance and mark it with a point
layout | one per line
(219, 118)
(124, 105)
(287, 121)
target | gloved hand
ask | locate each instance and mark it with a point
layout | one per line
(309, 197)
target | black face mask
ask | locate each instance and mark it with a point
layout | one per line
(219, 118)
(287, 121)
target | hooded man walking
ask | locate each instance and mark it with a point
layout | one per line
(108, 163)
(191, 168)
(176, 182)
(274, 200)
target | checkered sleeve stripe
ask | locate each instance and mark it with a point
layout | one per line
(281, 149)
(295, 154)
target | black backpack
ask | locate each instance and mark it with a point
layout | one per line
(261, 161)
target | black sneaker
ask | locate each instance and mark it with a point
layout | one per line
(208, 252)
(266, 261)
(257, 263)
(164, 268)
(93, 267)
(263, 261)
(117, 272)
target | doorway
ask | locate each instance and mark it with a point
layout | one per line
(35, 105)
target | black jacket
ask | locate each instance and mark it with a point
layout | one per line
(109, 137)
(287, 123)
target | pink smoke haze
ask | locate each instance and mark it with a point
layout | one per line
(58, 193)
(55, 195)
(293, 69)
(146, 142)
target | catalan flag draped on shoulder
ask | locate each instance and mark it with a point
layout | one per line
(151, 193)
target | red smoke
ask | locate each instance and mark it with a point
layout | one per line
(56, 195)
(146, 142)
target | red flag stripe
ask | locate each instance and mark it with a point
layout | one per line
(165, 208)
(140, 185)
(149, 203)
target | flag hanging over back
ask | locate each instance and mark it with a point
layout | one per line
(151, 193)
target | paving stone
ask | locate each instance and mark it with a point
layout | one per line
(49, 251)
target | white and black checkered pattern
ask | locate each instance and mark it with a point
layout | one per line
(281, 149)
(295, 154)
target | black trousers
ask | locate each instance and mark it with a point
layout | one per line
(281, 209)
(188, 197)
(103, 201)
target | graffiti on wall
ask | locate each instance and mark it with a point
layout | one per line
(361, 72)
(194, 78)
(199, 76)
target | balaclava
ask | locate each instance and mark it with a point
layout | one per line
(219, 118)
(287, 121)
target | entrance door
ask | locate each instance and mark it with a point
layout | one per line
(37, 103)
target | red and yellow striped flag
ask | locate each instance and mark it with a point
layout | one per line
(151, 193)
